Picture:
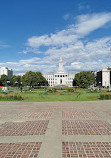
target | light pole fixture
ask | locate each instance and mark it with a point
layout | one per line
(16, 83)
(21, 86)
(8, 84)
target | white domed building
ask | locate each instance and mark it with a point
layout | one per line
(60, 78)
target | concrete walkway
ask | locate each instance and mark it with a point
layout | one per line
(55, 129)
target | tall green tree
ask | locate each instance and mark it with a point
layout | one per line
(34, 79)
(1, 82)
(15, 81)
(4, 79)
(83, 79)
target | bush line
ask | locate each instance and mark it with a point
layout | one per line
(11, 97)
(104, 96)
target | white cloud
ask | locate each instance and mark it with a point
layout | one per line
(28, 61)
(85, 24)
(82, 6)
(66, 16)
(78, 54)
(76, 57)
(2, 45)
(88, 23)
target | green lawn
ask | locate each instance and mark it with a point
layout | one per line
(41, 97)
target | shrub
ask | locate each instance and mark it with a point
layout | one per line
(54, 90)
(94, 91)
(105, 96)
(11, 97)
(49, 90)
(70, 90)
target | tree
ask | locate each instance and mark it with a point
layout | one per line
(34, 79)
(41, 81)
(83, 79)
(4, 79)
(15, 81)
(1, 82)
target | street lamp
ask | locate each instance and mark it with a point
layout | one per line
(99, 83)
(8, 84)
(21, 86)
(83, 84)
(16, 83)
(38, 85)
(105, 84)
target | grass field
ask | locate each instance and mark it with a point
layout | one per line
(49, 95)
(41, 97)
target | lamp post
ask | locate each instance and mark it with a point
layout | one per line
(38, 85)
(16, 84)
(105, 84)
(21, 86)
(8, 84)
(83, 84)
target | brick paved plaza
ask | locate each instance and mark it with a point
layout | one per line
(55, 129)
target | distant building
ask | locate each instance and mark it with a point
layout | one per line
(6, 71)
(60, 78)
(103, 77)
(21, 74)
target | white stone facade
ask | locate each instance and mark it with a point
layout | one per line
(106, 77)
(21, 74)
(60, 78)
(6, 71)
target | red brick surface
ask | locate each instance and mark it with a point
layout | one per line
(20, 150)
(2, 114)
(79, 114)
(108, 112)
(38, 115)
(86, 127)
(86, 149)
(24, 128)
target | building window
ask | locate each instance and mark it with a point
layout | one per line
(60, 75)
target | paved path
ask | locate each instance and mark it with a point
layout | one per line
(55, 129)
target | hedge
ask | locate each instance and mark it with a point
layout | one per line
(11, 97)
(105, 96)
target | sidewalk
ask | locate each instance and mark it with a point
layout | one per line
(55, 129)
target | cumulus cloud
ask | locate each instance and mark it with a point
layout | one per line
(83, 26)
(88, 23)
(78, 54)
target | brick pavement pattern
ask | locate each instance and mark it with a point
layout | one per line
(38, 115)
(86, 149)
(20, 150)
(108, 112)
(55, 129)
(2, 114)
(86, 127)
(24, 128)
(79, 114)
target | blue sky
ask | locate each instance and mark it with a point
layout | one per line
(35, 33)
